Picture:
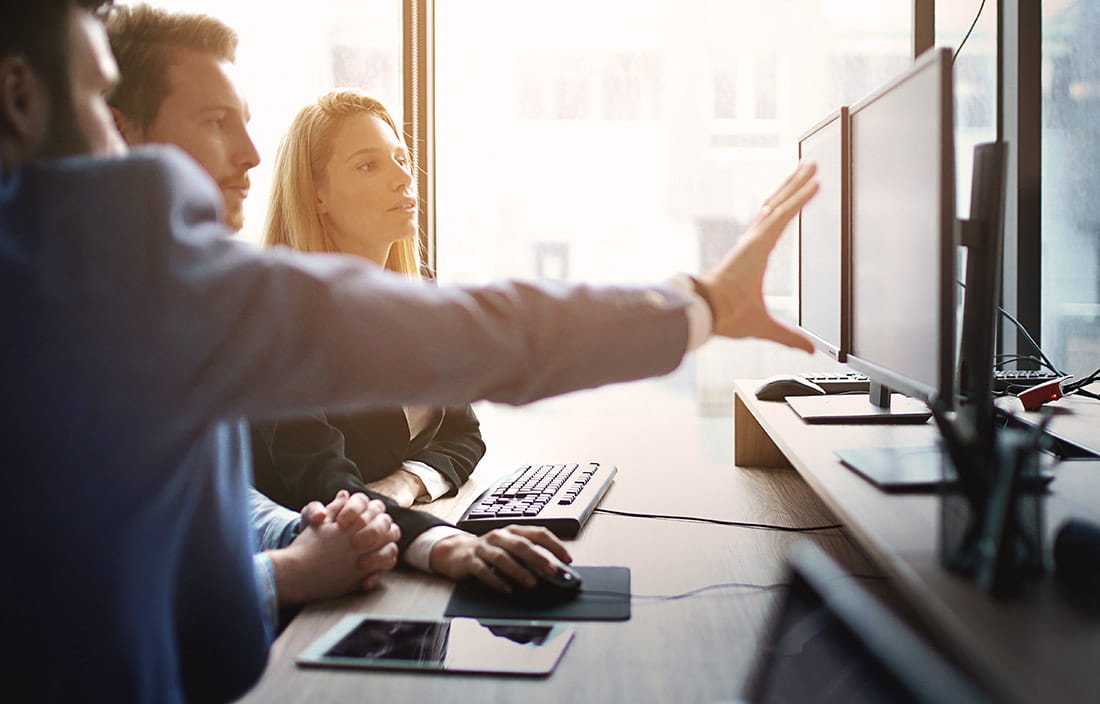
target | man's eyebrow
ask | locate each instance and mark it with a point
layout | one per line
(202, 110)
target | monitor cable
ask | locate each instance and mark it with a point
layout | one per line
(1078, 386)
(1003, 359)
(717, 521)
(1023, 331)
(715, 587)
(972, 26)
(1019, 326)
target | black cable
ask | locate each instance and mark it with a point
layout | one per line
(693, 592)
(713, 587)
(1082, 382)
(1003, 359)
(1006, 358)
(1078, 387)
(739, 524)
(972, 26)
(1019, 326)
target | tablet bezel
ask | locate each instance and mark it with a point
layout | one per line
(557, 640)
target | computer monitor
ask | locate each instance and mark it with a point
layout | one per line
(903, 232)
(830, 641)
(983, 237)
(902, 257)
(823, 238)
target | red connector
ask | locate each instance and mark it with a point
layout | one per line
(1042, 393)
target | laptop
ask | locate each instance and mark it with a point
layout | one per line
(831, 641)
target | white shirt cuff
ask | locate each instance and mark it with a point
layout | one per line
(700, 324)
(419, 552)
(434, 482)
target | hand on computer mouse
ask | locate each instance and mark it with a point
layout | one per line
(501, 558)
(549, 590)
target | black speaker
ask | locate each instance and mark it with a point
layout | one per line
(1077, 554)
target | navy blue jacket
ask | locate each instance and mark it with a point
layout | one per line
(136, 335)
(312, 458)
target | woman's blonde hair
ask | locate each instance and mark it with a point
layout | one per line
(292, 216)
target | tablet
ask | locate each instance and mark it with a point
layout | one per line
(440, 645)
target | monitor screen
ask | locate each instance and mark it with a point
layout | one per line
(903, 232)
(830, 641)
(823, 238)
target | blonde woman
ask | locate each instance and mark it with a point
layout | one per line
(343, 183)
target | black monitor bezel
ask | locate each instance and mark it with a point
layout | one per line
(837, 351)
(983, 237)
(911, 662)
(939, 60)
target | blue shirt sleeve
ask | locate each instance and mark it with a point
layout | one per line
(276, 526)
(265, 587)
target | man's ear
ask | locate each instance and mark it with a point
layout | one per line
(24, 101)
(130, 131)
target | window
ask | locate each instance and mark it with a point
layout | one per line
(725, 94)
(744, 103)
(975, 84)
(640, 140)
(1071, 181)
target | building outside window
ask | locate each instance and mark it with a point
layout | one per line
(1071, 182)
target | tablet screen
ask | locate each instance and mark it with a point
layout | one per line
(448, 645)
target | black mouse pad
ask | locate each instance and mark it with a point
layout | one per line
(605, 596)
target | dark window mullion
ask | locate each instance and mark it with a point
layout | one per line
(1019, 124)
(924, 26)
(418, 86)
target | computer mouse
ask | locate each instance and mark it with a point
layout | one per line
(777, 388)
(562, 587)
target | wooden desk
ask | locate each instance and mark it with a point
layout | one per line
(690, 650)
(1039, 647)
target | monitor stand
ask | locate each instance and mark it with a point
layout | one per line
(916, 468)
(878, 406)
(920, 468)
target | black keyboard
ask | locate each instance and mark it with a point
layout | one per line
(559, 497)
(1011, 380)
(1003, 380)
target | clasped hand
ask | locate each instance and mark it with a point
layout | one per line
(343, 547)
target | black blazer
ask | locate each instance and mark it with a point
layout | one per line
(312, 458)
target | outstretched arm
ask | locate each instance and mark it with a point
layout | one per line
(735, 289)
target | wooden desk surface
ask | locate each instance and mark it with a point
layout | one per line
(697, 649)
(1039, 647)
